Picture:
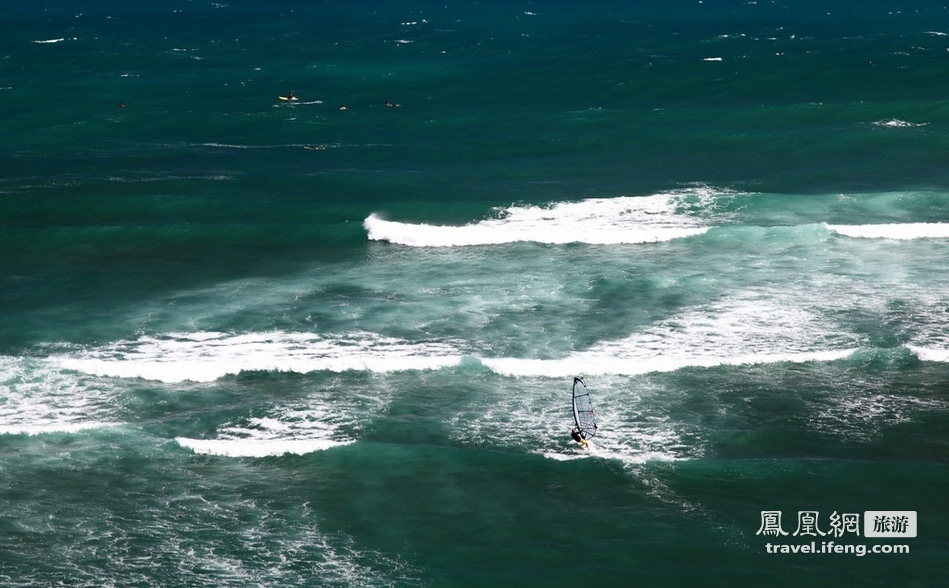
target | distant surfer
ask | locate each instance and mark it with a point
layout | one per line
(342, 107)
(391, 105)
(121, 104)
(290, 95)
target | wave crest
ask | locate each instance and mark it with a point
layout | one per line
(896, 231)
(597, 221)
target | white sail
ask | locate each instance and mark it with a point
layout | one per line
(583, 410)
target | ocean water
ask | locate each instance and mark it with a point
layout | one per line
(229, 360)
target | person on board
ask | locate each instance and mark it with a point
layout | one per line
(290, 95)
(578, 437)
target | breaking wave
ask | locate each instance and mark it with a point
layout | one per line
(896, 231)
(597, 221)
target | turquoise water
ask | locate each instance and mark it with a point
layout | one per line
(229, 360)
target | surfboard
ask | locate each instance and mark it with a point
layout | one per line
(290, 99)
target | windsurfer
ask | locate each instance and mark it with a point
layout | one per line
(584, 424)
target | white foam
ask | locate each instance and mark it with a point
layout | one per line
(589, 363)
(37, 398)
(641, 432)
(854, 414)
(294, 430)
(629, 456)
(930, 354)
(50, 41)
(205, 357)
(563, 456)
(257, 447)
(712, 59)
(896, 231)
(898, 124)
(49, 428)
(598, 221)
(741, 331)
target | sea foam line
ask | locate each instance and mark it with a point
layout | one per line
(624, 455)
(896, 231)
(597, 221)
(749, 328)
(257, 447)
(49, 428)
(594, 364)
(895, 123)
(205, 357)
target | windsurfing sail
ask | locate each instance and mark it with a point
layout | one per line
(583, 410)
